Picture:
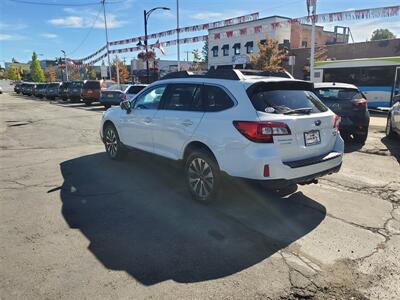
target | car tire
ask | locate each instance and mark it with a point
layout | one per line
(202, 176)
(107, 106)
(389, 129)
(112, 143)
(360, 137)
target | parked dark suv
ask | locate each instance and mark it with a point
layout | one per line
(91, 90)
(63, 90)
(350, 104)
(74, 90)
(52, 90)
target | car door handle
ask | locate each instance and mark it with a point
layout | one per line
(147, 120)
(187, 123)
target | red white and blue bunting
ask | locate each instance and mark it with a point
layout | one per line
(353, 15)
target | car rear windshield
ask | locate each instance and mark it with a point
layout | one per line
(338, 94)
(77, 84)
(92, 85)
(135, 89)
(117, 87)
(287, 101)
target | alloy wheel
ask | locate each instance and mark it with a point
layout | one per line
(111, 142)
(201, 178)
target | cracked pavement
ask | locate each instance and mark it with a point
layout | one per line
(75, 225)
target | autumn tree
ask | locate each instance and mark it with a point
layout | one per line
(12, 74)
(91, 71)
(37, 74)
(382, 34)
(50, 74)
(74, 74)
(269, 57)
(123, 71)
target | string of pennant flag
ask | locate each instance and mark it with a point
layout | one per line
(199, 27)
(381, 12)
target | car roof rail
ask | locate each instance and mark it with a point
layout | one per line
(282, 74)
(178, 74)
(230, 74)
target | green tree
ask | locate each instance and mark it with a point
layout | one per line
(382, 34)
(37, 73)
(74, 74)
(12, 74)
(204, 52)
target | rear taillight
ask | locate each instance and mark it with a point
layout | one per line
(336, 122)
(261, 132)
(360, 102)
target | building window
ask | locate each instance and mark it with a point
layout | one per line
(304, 44)
(236, 49)
(249, 47)
(225, 50)
(214, 51)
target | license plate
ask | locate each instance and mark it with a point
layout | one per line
(74, 90)
(89, 91)
(312, 138)
(109, 95)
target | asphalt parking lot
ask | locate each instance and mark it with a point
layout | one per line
(75, 225)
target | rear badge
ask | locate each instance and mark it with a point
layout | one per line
(317, 122)
(269, 109)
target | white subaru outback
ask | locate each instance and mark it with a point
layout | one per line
(264, 128)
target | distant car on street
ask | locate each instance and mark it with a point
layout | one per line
(350, 104)
(52, 90)
(120, 92)
(74, 90)
(92, 89)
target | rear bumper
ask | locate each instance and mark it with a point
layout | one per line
(282, 183)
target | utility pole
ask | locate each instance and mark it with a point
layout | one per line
(66, 64)
(177, 35)
(117, 69)
(108, 47)
(187, 55)
(312, 6)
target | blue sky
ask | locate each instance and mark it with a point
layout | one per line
(48, 29)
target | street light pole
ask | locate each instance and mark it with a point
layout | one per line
(107, 45)
(312, 50)
(145, 46)
(66, 64)
(146, 15)
(177, 35)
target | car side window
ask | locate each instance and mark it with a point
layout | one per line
(185, 97)
(216, 99)
(149, 99)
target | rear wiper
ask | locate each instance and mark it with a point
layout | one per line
(304, 110)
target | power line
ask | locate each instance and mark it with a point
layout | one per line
(87, 34)
(63, 4)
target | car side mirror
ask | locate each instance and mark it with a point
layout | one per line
(126, 105)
